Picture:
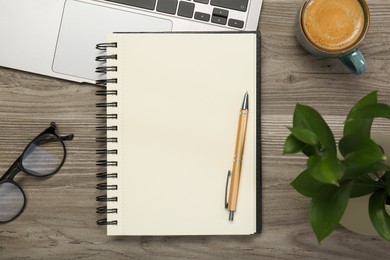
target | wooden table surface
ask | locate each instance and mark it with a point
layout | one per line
(59, 221)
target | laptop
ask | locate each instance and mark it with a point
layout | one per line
(57, 38)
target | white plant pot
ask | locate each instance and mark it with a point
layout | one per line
(356, 217)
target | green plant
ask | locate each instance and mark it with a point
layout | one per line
(330, 181)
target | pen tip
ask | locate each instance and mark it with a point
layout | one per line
(231, 215)
(245, 103)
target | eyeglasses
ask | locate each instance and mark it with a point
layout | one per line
(44, 156)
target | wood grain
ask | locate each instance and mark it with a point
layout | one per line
(59, 219)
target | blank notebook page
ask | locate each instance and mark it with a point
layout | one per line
(179, 98)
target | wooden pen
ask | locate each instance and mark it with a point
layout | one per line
(238, 156)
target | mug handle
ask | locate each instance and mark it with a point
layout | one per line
(354, 61)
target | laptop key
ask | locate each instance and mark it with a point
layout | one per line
(186, 9)
(167, 6)
(218, 20)
(146, 4)
(239, 5)
(202, 1)
(220, 12)
(236, 23)
(202, 16)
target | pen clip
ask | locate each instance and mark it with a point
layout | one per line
(227, 184)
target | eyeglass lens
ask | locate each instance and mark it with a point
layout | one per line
(11, 201)
(44, 155)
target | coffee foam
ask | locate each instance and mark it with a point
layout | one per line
(333, 24)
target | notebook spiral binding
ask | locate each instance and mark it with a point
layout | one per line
(107, 117)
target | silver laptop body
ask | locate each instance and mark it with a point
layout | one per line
(57, 37)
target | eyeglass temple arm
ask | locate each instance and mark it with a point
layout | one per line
(67, 137)
(63, 138)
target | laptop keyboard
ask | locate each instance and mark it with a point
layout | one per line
(230, 13)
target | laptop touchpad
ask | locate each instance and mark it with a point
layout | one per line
(84, 25)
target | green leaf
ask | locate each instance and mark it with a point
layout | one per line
(361, 155)
(378, 215)
(306, 185)
(358, 145)
(304, 135)
(292, 145)
(353, 171)
(325, 213)
(325, 169)
(364, 185)
(308, 118)
(360, 126)
(371, 111)
(313, 161)
(310, 150)
(386, 178)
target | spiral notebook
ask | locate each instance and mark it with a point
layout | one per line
(173, 102)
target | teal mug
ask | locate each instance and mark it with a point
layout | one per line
(334, 29)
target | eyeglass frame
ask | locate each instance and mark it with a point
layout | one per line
(17, 166)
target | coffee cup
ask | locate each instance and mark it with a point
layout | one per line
(334, 29)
